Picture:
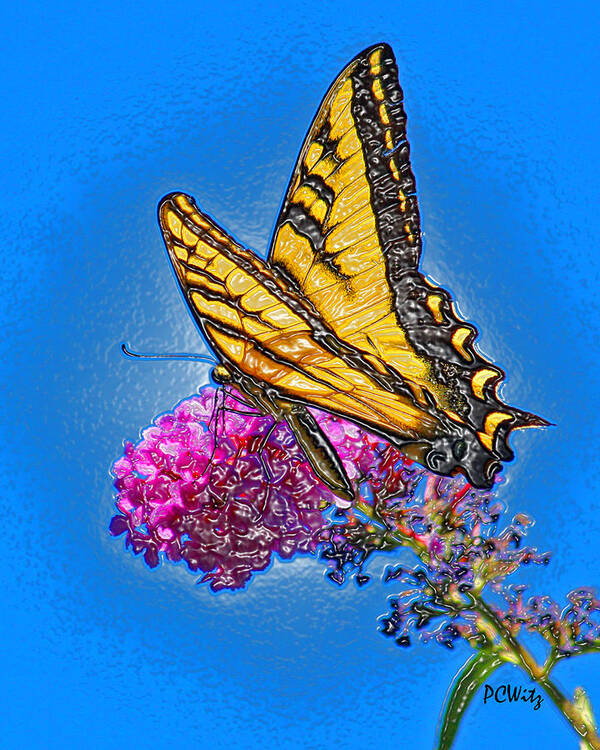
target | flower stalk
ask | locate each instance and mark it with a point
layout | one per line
(493, 629)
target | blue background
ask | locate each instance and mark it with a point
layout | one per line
(109, 106)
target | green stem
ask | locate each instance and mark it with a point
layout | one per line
(580, 723)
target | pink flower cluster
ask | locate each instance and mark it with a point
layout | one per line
(220, 486)
(223, 488)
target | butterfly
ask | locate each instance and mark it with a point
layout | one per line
(339, 317)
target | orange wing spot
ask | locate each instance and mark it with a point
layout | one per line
(200, 220)
(394, 169)
(182, 201)
(197, 280)
(220, 238)
(281, 317)
(174, 224)
(324, 167)
(493, 420)
(409, 235)
(305, 195)
(383, 114)
(402, 199)
(202, 254)
(268, 336)
(319, 210)
(189, 238)
(179, 252)
(480, 379)
(257, 299)
(375, 61)
(459, 338)
(434, 302)
(234, 348)
(378, 90)
(239, 282)
(220, 267)
(215, 310)
(486, 440)
(253, 327)
(388, 139)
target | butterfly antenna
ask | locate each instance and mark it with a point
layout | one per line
(194, 357)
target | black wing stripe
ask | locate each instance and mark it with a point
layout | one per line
(396, 215)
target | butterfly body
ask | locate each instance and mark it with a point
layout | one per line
(339, 316)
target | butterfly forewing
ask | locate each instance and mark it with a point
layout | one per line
(346, 202)
(348, 238)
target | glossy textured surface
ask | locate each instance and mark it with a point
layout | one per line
(340, 316)
(109, 109)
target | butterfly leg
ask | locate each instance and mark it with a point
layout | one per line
(314, 443)
(217, 408)
(223, 375)
(261, 449)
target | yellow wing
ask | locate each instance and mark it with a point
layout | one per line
(348, 240)
(261, 329)
(350, 218)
